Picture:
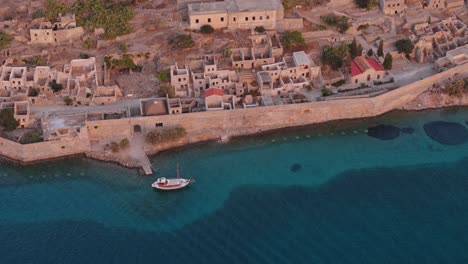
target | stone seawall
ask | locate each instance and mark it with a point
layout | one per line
(215, 125)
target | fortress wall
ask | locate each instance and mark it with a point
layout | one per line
(217, 124)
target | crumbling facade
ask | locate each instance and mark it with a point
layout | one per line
(64, 30)
(392, 7)
(238, 14)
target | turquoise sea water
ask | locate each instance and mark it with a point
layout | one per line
(320, 194)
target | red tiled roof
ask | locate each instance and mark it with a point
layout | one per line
(213, 91)
(361, 64)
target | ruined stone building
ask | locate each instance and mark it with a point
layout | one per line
(434, 40)
(64, 30)
(392, 7)
(290, 75)
(453, 58)
(240, 14)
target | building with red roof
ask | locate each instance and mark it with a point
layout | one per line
(366, 70)
(214, 99)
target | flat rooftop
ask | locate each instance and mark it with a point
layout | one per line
(207, 8)
(253, 5)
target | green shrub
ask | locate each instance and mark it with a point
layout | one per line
(124, 63)
(181, 41)
(38, 14)
(30, 137)
(165, 135)
(370, 52)
(68, 100)
(166, 90)
(326, 92)
(5, 40)
(456, 88)
(33, 92)
(363, 27)
(56, 87)
(163, 76)
(404, 46)
(84, 56)
(7, 119)
(292, 39)
(334, 56)
(35, 61)
(112, 16)
(342, 23)
(53, 8)
(367, 4)
(123, 47)
(338, 83)
(206, 29)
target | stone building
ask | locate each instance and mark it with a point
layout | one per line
(392, 7)
(289, 75)
(366, 71)
(453, 58)
(180, 80)
(64, 30)
(240, 14)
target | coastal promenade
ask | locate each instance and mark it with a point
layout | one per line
(216, 125)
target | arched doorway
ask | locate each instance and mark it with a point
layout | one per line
(137, 129)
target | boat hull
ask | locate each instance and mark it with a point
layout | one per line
(183, 183)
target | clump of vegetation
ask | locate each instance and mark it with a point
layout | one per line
(259, 29)
(163, 76)
(38, 14)
(84, 56)
(206, 29)
(334, 55)
(68, 100)
(5, 40)
(292, 39)
(112, 16)
(124, 63)
(123, 47)
(457, 88)
(33, 92)
(380, 52)
(405, 46)
(55, 86)
(388, 62)
(363, 27)
(165, 135)
(367, 4)
(30, 137)
(35, 61)
(342, 23)
(7, 119)
(182, 41)
(166, 90)
(52, 9)
(338, 83)
(326, 92)
(124, 144)
(89, 43)
(370, 53)
(354, 49)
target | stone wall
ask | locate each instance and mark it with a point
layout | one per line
(214, 125)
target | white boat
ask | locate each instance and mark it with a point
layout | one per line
(171, 184)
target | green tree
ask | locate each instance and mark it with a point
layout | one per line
(55, 86)
(53, 8)
(33, 136)
(181, 41)
(326, 92)
(5, 40)
(206, 29)
(404, 46)
(388, 61)
(292, 39)
(370, 53)
(380, 49)
(334, 56)
(7, 119)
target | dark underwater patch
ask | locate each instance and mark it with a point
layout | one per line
(384, 132)
(295, 167)
(407, 130)
(446, 133)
